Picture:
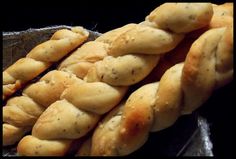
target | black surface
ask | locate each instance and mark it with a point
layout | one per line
(219, 110)
(106, 16)
(93, 15)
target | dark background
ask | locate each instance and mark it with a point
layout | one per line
(93, 15)
(108, 15)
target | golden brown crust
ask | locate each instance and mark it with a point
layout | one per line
(181, 90)
(109, 126)
(168, 99)
(111, 35)
(23, 111)
(123, 70)
(136, 119)
(201, 62)
(76, 123)
(191, 16)
(40, 58)
(50, 87)
(177, 55)
(114, 63)
(143, 39)
(83, 58)
(96, 97)
(19, 73)
(42, 147)
(13, 134)
(223, 16)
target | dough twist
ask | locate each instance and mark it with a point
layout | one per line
(181, 90)
(223, 12)
(40, 58)
(21, 113)
(133, 51)
(173, 57)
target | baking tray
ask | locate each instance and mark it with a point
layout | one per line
(189, 136)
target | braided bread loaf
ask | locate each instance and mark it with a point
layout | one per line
(133, 51)
(223, 12)
(181, 90)
(40, 95)
(20, 113)
(173, 57)
(41, 57)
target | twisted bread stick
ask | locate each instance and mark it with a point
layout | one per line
(20, 113)
(168, 60)
(48, 90)
(181, 90)
(40, 58)
(40, 95)
(125, 65)
(175, 56)
(222, 12)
